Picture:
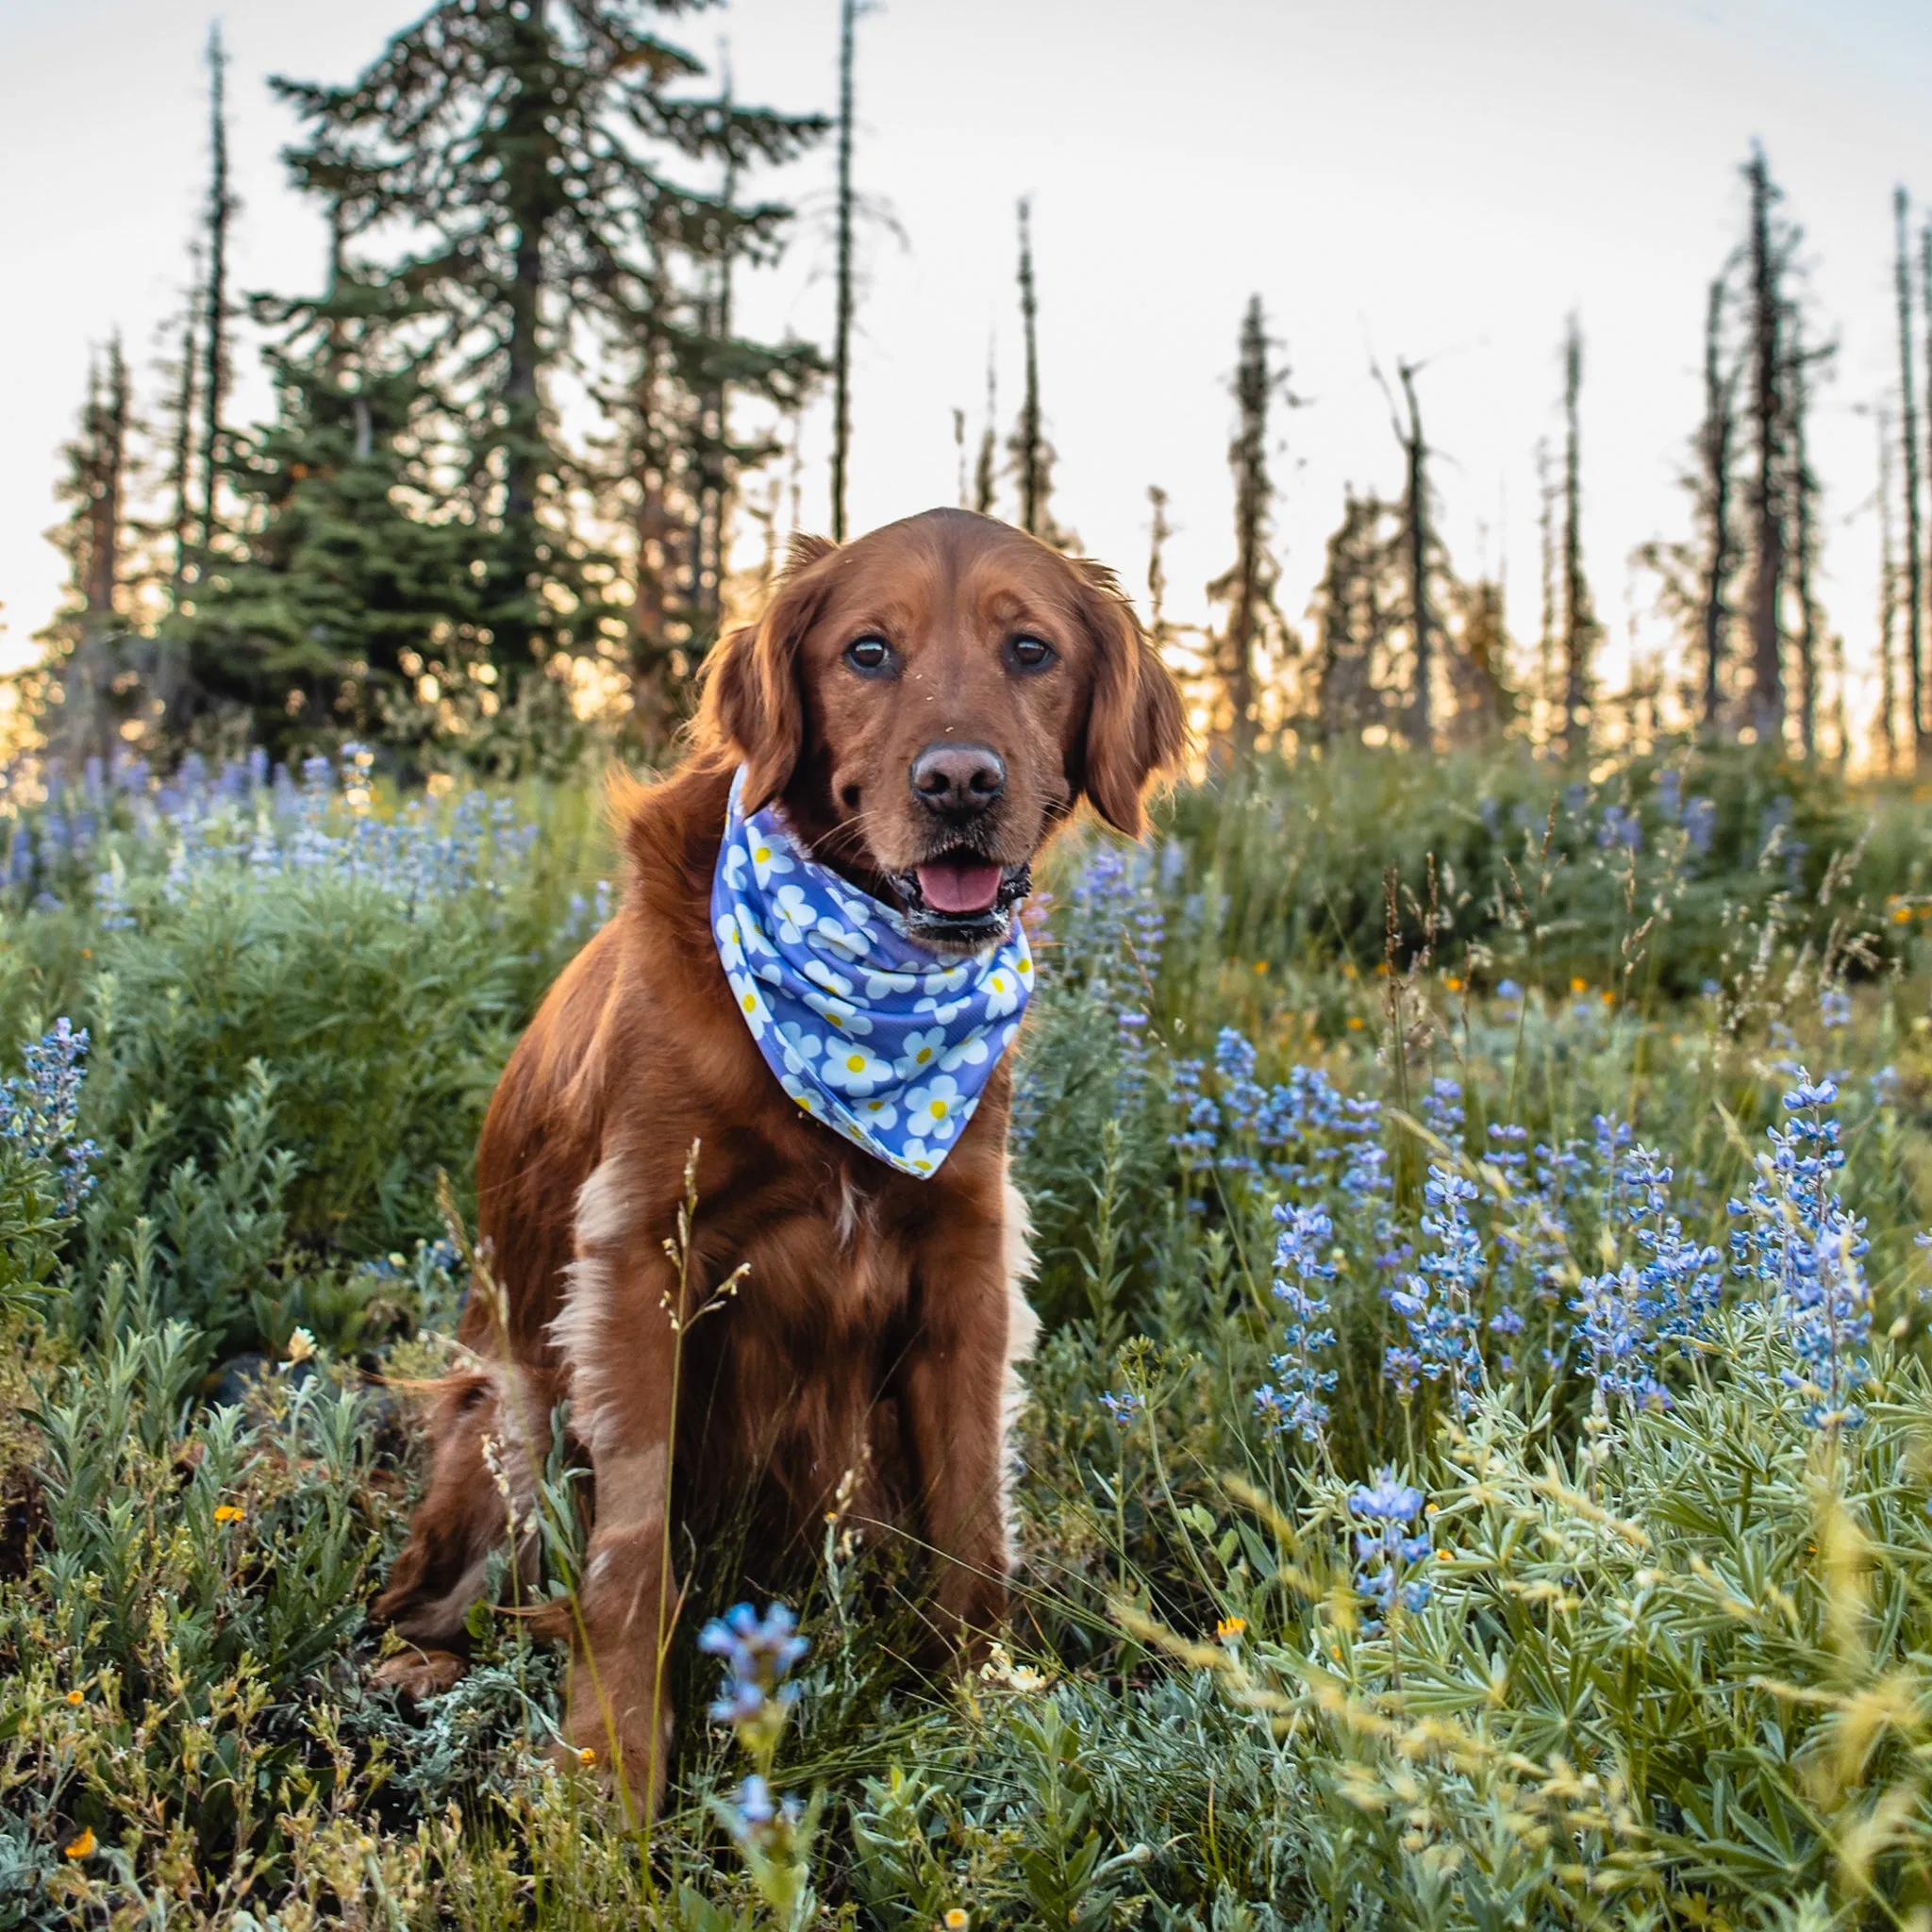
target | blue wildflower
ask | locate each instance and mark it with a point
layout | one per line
(1301, 1252)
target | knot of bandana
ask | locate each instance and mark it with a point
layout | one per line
(883, 1042)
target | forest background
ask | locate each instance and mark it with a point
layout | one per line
(1401, 199)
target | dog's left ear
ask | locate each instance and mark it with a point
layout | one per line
(752, 704)
(1135, 727)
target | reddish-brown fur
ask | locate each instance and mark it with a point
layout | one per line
(873, 1328)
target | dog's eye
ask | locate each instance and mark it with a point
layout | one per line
(868, 655)
(1031, 654)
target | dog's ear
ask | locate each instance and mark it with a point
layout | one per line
(1135, 727)
(752, 704)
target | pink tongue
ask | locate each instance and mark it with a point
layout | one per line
(960, 886)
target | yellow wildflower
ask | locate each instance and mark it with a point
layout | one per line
(83, 1846)
(587, 1755)
(76, 1698)
(301, 1345)
(1230, 1627)
(1354, 1023)
(957, 1920)
(1261, 965)
(228, 1512)
(1579, 986)
(1454, 984)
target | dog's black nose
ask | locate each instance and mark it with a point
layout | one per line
(958, 781)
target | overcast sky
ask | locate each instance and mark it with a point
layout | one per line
(1436, 180)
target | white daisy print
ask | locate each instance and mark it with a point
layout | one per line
(878, 1115)
(842, 1014)
(850, 1068)
(937, 1108)
(730, 954)
(768, 859)
(791, 915)
(921, 1051)
(970, 1052)
(750, 1002)
(1000, 990)
(802, 1047)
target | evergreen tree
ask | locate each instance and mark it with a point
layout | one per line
(1248, 587)
(1767, 254)
(89, 640)
(513, 165)
(215, 369)
(1357, 609)
(342, 612)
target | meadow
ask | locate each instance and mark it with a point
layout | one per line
(1478, 1465)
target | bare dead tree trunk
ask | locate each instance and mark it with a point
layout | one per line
(1720, 431)
(959, 452)
(985, 477)
(1415, 545)
(1922, 603)
(1030, 491)
(1887, 599)
(1546, 634)
(1579, 614)
(1768, 506)
(1803, 491)
(841, 326)
(1909, 443)
(1159, 531)
(214, 377)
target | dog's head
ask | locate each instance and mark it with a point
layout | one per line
(930, 701)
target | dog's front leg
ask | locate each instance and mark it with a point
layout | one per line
(616, 1336)
(954, 1398)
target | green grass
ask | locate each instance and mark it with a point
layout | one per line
(1674, 1666)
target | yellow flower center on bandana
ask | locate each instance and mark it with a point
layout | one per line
(873, 1035)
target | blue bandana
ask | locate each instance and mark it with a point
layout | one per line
(882, 1041)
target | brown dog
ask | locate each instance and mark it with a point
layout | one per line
(927, 704)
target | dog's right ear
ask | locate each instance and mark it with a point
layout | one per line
(752, 704)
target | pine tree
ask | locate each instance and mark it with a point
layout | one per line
(1358, 607)
(215, 369)
(89, 636)
(1767, 254)
(533, 145)
(1248, 587)
(341, 614)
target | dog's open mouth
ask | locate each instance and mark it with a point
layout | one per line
(962, 896)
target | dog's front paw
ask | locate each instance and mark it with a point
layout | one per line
(419, 1673)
